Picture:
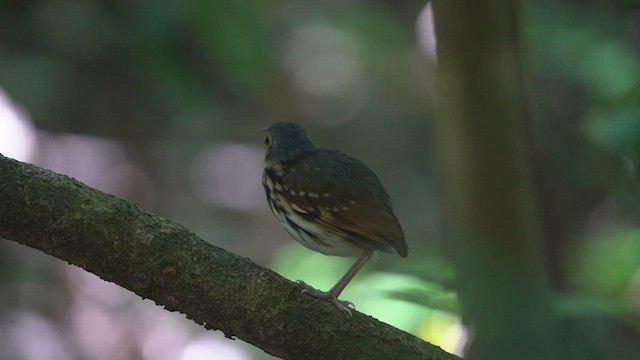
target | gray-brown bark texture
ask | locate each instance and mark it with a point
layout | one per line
(165, 262)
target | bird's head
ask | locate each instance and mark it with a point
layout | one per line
(285, 142)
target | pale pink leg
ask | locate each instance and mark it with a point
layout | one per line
(335, 291)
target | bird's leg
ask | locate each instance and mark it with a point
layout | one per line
(335, 291)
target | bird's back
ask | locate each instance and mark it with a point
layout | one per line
(344, 196)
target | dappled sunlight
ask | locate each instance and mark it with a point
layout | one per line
(17, 133)
(379, 295)
(211, 347)
(425, 32)
(296, 262)
(445, 330)
(375, 294)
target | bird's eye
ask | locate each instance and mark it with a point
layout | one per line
(267, 140)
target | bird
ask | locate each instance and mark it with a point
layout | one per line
(329, 202)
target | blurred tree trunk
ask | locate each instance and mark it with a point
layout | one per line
(490, 197)
(162, 261)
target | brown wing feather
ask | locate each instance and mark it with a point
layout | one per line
(377, 230)
(351, 203)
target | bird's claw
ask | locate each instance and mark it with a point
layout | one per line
(342, 305)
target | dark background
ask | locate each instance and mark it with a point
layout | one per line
(162, 103)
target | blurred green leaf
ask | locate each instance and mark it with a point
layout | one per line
(580, 305)
(429, 295)
(607, 263)
(614, 128)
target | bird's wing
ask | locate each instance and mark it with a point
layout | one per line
(363, 224)
(346, 199)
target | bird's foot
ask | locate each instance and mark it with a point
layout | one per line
(343, 305)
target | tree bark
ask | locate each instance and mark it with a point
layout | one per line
(165, 262)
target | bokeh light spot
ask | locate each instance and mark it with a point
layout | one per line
(17, 134)
(228, 175)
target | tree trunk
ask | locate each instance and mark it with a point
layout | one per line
(489, 198)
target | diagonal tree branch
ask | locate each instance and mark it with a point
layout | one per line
(165, 262)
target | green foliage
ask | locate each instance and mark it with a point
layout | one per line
(607, 265)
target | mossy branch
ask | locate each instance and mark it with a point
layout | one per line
(165, 262)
